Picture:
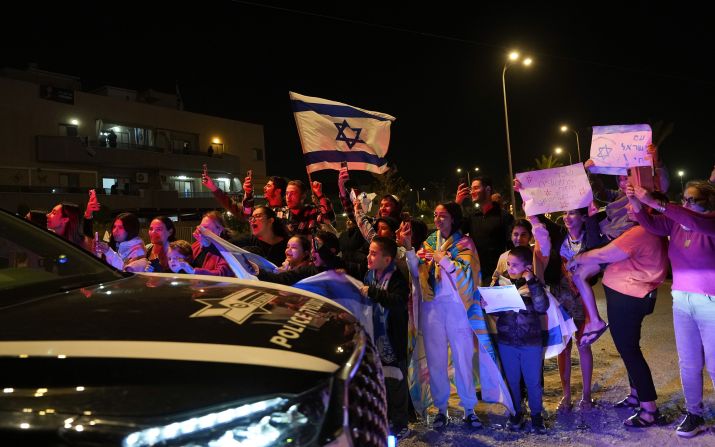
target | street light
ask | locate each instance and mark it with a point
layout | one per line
(513, 57)
(417, 190)
(681, 174)
(558, 151)
(578, 145)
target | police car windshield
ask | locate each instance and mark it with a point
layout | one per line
(35, 262)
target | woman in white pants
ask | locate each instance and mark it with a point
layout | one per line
(446, 269)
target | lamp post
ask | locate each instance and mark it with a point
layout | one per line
(417, 190)
(578, 145)
(558, 151)
(469, 179)
(513, 57)
(681, 174)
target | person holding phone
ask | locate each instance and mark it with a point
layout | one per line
(487, 224)
(273, 191)
(125, 250)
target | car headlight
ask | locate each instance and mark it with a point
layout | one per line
(270, 422)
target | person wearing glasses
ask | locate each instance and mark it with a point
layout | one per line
(268, 235)
(691, 228)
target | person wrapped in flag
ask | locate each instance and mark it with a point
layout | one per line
(446, 268)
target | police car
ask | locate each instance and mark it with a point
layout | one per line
(93, 356)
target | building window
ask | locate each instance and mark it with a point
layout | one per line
(69, 180)
(185, 188)
(259, 154)
(68, 130)
(110, 185)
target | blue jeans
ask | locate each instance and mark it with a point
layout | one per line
(694, 322)
(523, 361)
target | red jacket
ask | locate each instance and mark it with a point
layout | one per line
(213, 264)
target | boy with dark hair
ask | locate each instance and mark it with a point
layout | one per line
(521, 341)
(388, 290)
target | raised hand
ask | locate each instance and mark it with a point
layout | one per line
(248, 183)
(462, 193)
(405, 235)
(92, 204)
(208, 181)
(317, 188)
(343, 177)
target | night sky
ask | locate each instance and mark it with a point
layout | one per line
(437, 69)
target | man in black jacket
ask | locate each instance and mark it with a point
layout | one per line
(389, 291)
(488, 225)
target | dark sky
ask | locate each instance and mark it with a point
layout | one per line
(436, 68)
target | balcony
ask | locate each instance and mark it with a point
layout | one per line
(71, 150)
(159, 201)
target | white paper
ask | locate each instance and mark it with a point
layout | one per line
(555, 189)
(501, 298)
(616, 148)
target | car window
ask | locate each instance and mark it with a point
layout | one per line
(34, 261)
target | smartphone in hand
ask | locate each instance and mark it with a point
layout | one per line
(343, 164)
(249, 174)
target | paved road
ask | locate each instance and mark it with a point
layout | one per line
(603, 425)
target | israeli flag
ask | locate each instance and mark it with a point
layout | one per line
(561, 327)
(332, 132)
(343, 289)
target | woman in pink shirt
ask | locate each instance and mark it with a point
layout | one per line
(637, 264)
(691, 228)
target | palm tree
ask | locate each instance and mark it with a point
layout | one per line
(547, 162)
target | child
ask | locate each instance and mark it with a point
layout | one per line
(180, 257)
(389, 291)
(520, 339)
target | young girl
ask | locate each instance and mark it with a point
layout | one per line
(576, 239)
(520, 339)
(125, 250)
(180, 256)
(297, 253)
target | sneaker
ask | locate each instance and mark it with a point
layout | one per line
(402, 432)
(691, 426)
(537, 424)
(472, 421)
(515, 423)
(440, 421)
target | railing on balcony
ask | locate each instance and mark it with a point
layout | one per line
(142, 147)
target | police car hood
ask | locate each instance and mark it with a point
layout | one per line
(158, 343)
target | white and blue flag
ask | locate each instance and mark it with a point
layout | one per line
(332, 132)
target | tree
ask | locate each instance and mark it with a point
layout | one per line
(547, 162)
(391, 183)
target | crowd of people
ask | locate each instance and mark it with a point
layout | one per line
(429, 280)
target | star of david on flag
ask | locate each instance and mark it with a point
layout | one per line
(332, 132)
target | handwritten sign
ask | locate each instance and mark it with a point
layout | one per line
(501, 299)
(614, 149)
(555, 189)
